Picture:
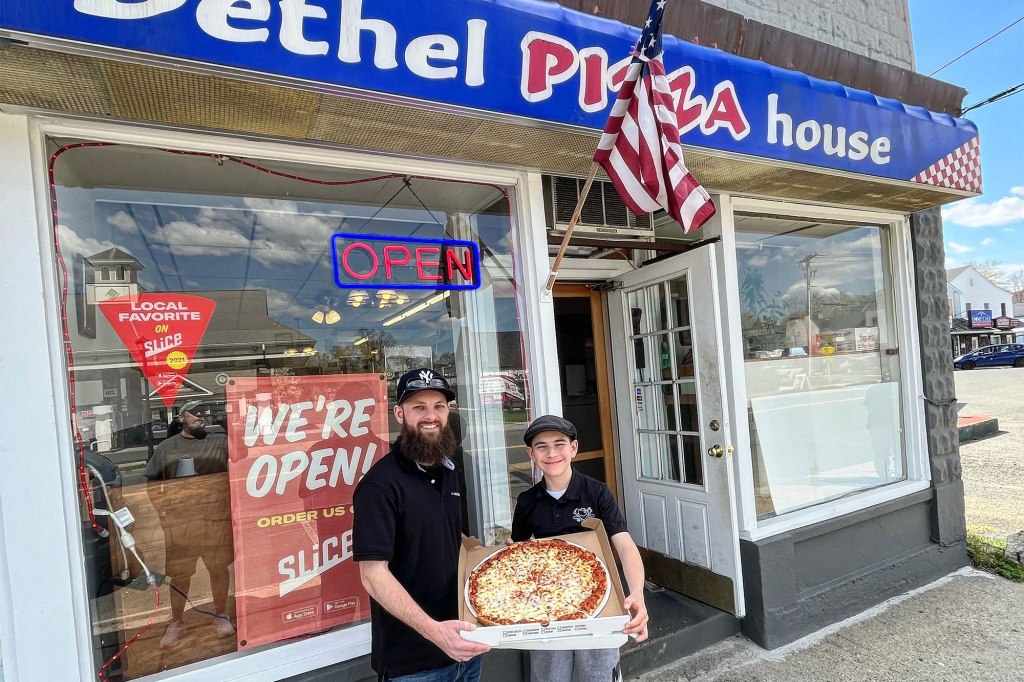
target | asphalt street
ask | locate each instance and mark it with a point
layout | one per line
(993, 467)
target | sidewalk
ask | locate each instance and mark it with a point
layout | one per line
(966, 626)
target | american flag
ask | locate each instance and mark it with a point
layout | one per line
(640, 147)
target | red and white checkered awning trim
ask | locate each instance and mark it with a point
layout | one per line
(960, 169)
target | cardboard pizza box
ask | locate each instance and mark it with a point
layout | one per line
(601, 632)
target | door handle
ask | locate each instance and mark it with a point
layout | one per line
(716, 450)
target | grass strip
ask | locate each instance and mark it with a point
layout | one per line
(989, 555)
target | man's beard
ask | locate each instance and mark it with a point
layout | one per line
(198, 431)
(424, 450)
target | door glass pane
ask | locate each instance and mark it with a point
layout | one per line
(663, 343)
(679, 293)
(642, 354)
(661, 311)
(691, 455)
(684, 353)
(574, 331)
(686, 392)
(649, 457)
(659, 457)
(637, 308)
(650, 405)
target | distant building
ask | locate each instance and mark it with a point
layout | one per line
(981, 312)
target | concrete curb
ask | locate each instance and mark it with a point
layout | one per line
(973, 428)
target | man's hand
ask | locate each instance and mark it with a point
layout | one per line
(638, 625)
(446, 636)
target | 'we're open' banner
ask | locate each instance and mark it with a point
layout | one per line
(298, 446)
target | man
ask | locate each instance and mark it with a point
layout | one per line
(196, 523)
(407, 537)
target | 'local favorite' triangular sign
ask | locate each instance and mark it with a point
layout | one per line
(162, 331)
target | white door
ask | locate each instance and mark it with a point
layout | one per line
(673, 424)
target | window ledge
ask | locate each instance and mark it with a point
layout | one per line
(831, 510)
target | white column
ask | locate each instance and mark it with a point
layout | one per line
(43, 606)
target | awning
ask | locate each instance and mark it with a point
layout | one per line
(513, 82)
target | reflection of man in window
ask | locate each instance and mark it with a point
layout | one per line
(195, 515)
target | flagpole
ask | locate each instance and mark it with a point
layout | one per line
(572, 225)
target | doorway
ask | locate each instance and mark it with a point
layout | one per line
(583, 378)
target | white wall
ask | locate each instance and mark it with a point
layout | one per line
(977, 291)
(879, 29)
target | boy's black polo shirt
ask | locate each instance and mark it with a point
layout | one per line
(404, 518)
(539, 515)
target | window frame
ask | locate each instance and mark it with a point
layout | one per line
(914, 437)
(55, 584)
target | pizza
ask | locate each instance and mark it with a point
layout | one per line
(537, 581)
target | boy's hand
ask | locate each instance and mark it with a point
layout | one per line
(638, 625)
(509, 542)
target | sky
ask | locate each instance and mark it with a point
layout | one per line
(989, 227)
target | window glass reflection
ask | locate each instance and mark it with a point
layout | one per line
(821, 368)
(251, 240)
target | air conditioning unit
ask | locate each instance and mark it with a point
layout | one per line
(604, 213)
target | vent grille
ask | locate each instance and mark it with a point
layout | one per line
(603, 212)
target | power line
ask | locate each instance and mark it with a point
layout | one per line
(995, 98)
(975, 47)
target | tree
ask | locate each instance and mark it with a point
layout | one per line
(992, 271)
(1017, 286)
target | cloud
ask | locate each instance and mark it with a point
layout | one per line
(974, 213)
(273, 232)
(758, 261)
(958, 248)
(70, 243)
(988, 241)
(124, 222)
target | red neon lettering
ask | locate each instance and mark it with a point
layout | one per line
(547, 62)
(389, 261)
(348, 268)
(725, 112)
(422, 263)
(466, 269)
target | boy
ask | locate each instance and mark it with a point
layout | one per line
(558, 505)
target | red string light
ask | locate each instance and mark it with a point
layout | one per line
(102, 674)
(83, 474)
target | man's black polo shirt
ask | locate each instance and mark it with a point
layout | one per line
(540, 515)
(410, 518)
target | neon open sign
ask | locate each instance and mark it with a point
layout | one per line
(368, 261)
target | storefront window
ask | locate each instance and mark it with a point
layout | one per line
(266, 309)
(822, 369)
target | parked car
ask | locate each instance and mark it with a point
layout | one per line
(992, 356)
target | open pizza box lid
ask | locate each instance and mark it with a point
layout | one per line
(601, 632)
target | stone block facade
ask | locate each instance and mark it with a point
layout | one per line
(879, 29)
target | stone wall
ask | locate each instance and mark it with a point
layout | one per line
(948, 525)
(879, 29)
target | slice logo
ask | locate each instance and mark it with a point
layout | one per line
(162, 333)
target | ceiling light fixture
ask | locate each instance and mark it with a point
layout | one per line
(358, 297)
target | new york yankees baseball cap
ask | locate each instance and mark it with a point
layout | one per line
(423, 379)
